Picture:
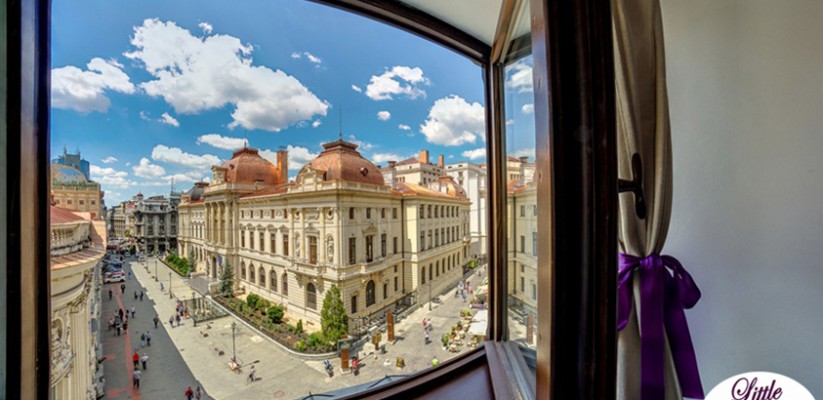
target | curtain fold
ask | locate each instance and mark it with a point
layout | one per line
(642, 118)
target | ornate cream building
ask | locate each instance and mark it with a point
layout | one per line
(72, 190)
(522, 234)
(77, 245)
(338, 223)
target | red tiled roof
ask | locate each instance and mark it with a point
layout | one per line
(59, 215)
(412, 160)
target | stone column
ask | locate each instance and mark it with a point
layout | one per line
(390, 326)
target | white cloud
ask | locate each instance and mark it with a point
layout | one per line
(168, 120)
(128, 163)
(221, 142)
(83, 91)
(145, 116)
(110, 177)
(356, 88)
(148, 170)
(296, 56)
(520, 77)
(298, 156)
(398, 81)
(385, 157)
(474, 154)
(109, 160)
(174, 155)
(527, 108)
(452, 121)
(312, 58)
(206, 27)
(316, 123)
(196, 74)
(404, 127)
(191, 176)
(361, 145)
(509, 122)
(383, 115)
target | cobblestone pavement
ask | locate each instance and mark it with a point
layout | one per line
(167, 376)
(279, 373)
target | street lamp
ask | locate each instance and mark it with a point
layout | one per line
(170, 295)
(430, 295)
(155, 270)
(233, 350)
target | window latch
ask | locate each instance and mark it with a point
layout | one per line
(635, 186)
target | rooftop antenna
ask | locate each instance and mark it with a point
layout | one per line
(245, 139)
(172, 184)
(341, 123)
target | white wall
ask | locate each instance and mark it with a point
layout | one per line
(746, 98)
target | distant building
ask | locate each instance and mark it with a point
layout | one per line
(472, 178)
(74, 161)
(77, 245)
(72, 189)
(521, 205)
(151, 222)
(337, 223)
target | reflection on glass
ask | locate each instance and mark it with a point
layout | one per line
(521, 199)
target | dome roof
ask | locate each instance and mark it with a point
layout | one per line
(246, 166)
(196, 193)
(65, 174)
(340, 160)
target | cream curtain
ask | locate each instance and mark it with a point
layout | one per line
(643, 128)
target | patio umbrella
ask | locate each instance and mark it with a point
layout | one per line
(655, 354)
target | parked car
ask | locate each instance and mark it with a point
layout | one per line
(114, 276)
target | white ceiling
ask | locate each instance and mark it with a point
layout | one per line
(475, 17)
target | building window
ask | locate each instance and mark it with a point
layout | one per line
(313, 249)
(436, 214)
(82, 202)
(383, 213)
(534, 244)
(311, 296)
(394, 245)
(352, 250)
(368, 213)
(385, 291)
(354, 304)
(534, 291)
(422, 243)
(422, 212)
(394, 213)
(430, 211)
(383, 245)
(395, 284)
(351, 213)
(243, 270)
(251, 273)
(273, 283)
(370, 295)
(437, 269)
(522, 211)
(262, 237)
(286, 245)
(369, 248)
(284, 281)
(93, 202)
(436, 237)
(522, 284)
(273, 242)
(242, 238)
(261, 276)
(423, 275)
(535, 210)
(522, 244)
(430, 240)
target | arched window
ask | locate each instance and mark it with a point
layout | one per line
(370, 297)
(431, 267)
(251, 273)
(311, 296)
(262, 277)
(284, 282)
(242, 270)
(423, 275)
(273, 283)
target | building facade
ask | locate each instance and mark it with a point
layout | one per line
(77, 245)
(71, 189)
(521, 205)
(153, 222)
(338, 224)
(472, 178)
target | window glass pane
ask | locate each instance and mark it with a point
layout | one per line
(522, 195)
(237, 172)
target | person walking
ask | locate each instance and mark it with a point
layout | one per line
(252, 373)
(142, 340)
(126, 326)
(144, 360)
(156, 320)
(110, 293)
(121, 312)
(198, 393)
(161, 286)
(148, 338)
(177, 318)
(132, 311)
(189, 393)
(135, 295)
(171, 321)
(425, 336)
(135, 359)
(135, 376)
(117, 327)
(122, 288)
(141, 295)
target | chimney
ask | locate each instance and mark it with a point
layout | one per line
(392, 174)
(283, 164)
(440, 161)
(424, 156)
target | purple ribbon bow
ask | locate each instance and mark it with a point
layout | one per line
(663, 296)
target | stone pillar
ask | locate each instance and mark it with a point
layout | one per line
(344, 359)
(530, 329)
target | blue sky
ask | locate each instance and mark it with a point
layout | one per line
(151, 91)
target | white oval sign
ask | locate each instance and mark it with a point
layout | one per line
(759, 386)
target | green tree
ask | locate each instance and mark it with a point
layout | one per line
(275, 314)
(333, 319)
(226, 279)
